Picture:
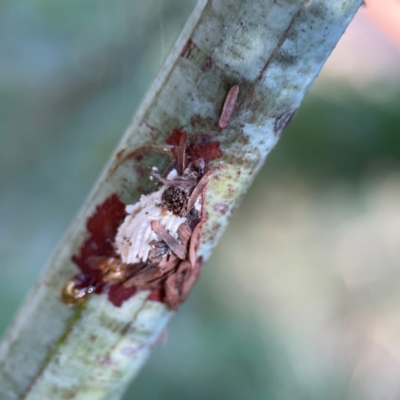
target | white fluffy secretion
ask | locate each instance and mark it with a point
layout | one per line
(135, 234)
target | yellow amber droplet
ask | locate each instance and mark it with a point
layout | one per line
(71, 295)
(115, 271)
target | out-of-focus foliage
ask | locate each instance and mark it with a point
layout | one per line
(300, 299)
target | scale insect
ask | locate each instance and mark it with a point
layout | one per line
(152, 244)
(155, 245)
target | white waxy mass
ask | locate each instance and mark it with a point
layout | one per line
(135, 233)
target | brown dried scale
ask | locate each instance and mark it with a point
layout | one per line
(176, 247)
(229, 105)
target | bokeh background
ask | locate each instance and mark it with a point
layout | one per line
(301, 299)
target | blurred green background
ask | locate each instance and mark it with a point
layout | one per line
(300, 300)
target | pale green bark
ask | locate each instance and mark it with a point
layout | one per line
(272, 49)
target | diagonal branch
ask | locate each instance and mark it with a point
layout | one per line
(271, 49)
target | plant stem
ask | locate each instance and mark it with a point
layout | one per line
(273, 50)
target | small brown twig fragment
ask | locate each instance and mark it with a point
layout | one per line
(194, 242)
(168, 264)
(190, 279)
(184, 234)
(186, 183)
(174, 284)
(172, 297)
(182, 153)
(196, 193)
(228, 107)
(142, 278)
(176, 247)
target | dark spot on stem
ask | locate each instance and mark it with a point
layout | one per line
(187, 49)
(207, 65)
(282, 120)
(221, 208)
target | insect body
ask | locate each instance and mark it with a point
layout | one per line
(156, 243)
(152, 244)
